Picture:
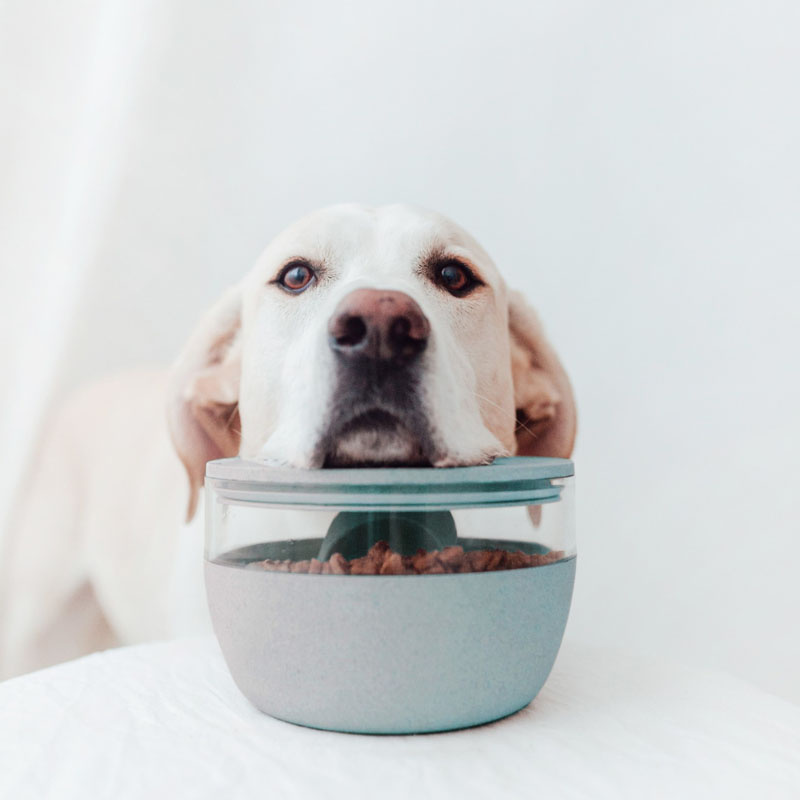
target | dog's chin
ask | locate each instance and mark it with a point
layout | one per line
(375, 439)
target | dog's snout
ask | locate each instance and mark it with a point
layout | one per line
(378, 324)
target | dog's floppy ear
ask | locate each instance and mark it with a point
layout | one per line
(203, 410)
(546, 417)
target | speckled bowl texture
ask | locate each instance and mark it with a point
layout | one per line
(390, 654)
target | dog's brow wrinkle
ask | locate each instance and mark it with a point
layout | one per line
(439, 253)
(432, 255)
(317, 262)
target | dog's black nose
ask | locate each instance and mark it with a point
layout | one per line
(378, 324)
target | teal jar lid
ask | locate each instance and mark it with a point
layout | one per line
(507, 481)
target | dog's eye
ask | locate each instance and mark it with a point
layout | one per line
(296, 277)
(456, 278)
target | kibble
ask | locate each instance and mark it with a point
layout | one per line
(382, 560)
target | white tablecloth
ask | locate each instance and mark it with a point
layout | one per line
(166, 720)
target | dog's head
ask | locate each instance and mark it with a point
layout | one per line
(369, 336)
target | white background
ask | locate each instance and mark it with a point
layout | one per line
(633, 167)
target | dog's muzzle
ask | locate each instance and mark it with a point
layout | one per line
(376, 414)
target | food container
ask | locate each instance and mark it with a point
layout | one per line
(392, 600)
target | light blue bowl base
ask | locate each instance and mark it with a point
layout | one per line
(390, 654)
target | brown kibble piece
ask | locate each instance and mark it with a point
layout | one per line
(380, 549)
(299, 566)
(376, 555)
(362, 566)
(516, 560)
(424, 561)
(371, 563)
(277, 566)
(452, 557)
(315, 567)
(392, 565)
(494, 559)
(339, 564)
(476, 560)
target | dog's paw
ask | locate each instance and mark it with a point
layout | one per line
(480, 460)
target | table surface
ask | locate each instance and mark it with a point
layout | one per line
(166, 719)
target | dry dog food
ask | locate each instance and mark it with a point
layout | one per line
(382, 560)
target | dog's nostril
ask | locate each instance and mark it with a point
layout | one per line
(352, 332)
(406, 339)
(400, 329)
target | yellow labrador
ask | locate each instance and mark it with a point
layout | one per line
(361, 336)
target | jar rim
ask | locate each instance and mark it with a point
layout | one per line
(516, 480)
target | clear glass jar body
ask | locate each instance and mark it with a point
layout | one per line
(245, 533)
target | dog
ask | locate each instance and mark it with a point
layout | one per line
(362, 336)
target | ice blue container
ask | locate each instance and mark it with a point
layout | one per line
(389, 653)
